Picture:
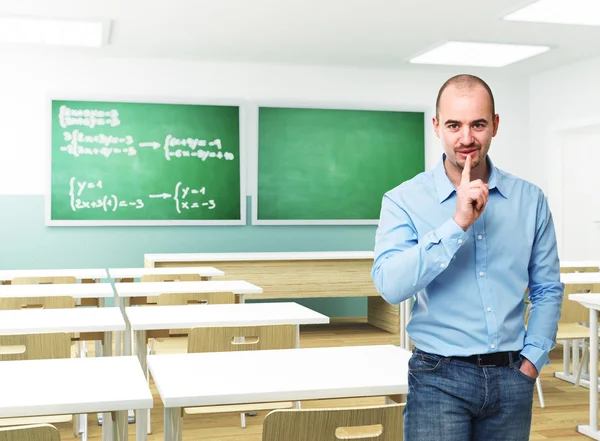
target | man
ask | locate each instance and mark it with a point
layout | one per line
(468, 239)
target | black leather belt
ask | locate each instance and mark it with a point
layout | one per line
(491, 360)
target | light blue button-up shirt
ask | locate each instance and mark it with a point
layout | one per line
(470, 286)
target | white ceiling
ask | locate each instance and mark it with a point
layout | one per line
(365, 33)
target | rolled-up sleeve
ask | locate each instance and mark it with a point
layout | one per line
(404, 265)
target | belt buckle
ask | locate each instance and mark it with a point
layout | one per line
(483, 365)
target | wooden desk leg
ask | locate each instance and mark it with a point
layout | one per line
(127, 350)
(173, 424)
(120, 425)
(141, 350)
(98, 344)
(107, 349)
(383, 315)
(591, 430)
(141, 343)
(109, 428)
(141, 429)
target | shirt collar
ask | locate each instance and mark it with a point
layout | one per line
(445, 188)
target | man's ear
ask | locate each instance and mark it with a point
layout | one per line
(436, 126)
(496, 122)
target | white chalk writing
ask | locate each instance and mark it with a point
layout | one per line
(111, 202)
(87, 117)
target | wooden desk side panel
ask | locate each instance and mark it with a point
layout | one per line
(295, 279)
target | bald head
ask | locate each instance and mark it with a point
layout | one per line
(467, 82)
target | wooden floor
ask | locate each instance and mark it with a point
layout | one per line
(566, 406)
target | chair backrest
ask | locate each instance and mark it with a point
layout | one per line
(255, 338)
(34, 432)
(37, 302)
(376, 423)
(35, 346)
(204, 298)
(43, 280)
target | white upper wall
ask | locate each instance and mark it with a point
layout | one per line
(565, 118)
(563, 98)
(26, 82)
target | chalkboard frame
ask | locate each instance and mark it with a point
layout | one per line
(329, 105)
(62, 96)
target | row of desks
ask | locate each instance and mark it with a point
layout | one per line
(288, 375)
(126, 290)
(112, 273)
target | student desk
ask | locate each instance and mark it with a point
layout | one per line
(50, 390)
(209, 379)
(91, 294)
(69, 320)
(240, 288)
(591, 301)
(84, 275)
(126, 291)
(205, 272)
(143, 321)
(295, 275)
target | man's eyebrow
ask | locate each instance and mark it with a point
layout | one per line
(477, 121)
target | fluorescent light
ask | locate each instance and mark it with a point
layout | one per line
(576, 12)
(32, 30)
(457, 53)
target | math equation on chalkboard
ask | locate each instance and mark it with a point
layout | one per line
(79, 143)
(84, 195)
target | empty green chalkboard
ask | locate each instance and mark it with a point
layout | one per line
(330, 166)
(136, 163)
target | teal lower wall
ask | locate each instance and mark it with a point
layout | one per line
(27, 243)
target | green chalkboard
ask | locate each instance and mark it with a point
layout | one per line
(332, 166)
(140, 163)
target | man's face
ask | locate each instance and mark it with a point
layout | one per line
(465, 124)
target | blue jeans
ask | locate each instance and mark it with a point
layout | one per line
(453, 400)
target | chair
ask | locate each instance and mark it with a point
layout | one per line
(384, 423)
(35, 347)
(238, 338)
(35, 432)
(39, 302)
(164, 278)
(177, 341)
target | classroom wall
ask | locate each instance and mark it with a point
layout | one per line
(565, 103)
(25, 83)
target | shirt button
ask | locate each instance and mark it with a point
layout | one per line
(460, 241)
(442, 265)
(489, 309)
(492, 346)
(481, 274)
(480, 237)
